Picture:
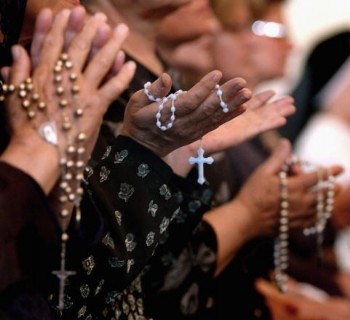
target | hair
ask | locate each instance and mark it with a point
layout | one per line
(11, 20)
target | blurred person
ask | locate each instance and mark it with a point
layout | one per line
(307, 92)
(188, 58)
(269, 46)
(329, 123)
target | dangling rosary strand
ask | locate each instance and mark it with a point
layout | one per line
(70, 159)
(324, 208)
(281, 246)
(71, 163)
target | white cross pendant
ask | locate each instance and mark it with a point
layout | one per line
(200, 160)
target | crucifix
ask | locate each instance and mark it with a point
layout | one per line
(200, 160)
(62, 275)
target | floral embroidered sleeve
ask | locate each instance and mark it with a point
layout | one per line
(194, 200)
(179, 285)
(128, 188)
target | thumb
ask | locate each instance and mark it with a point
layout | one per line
(276, 160)
(20, 69)
(157, 90)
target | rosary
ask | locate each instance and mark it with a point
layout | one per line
(70, 148)
(324, 208)
(200, 160)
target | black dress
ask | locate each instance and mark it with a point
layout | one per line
(139, 203)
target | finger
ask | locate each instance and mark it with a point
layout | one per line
(260, 99)
(104, 59)
(198, 93)
(118, 63)
(75, 25)
(305, 220)
(234, 96)
(80, 46)
(307, 180)
(20, 69)
(302, 204)
(103, 34)
(5, 74)
(116, 67)
(208, 114)
(158, 89)
(279, 110)
(284, 100)
(204, 116)
(285, 106)
(42, 27)
(335, 170)
(117, 84)
(323, 174)
(54, 40)
(304, 181)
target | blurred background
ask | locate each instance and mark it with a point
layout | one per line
(310, 20)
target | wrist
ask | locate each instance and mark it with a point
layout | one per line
(37, 159)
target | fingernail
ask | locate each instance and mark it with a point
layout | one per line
(15, 53)
(4, 75)
(122, 28)
(131, 65)
(100, 16)
(217, 76)
(62, 14)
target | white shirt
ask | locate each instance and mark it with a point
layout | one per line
(325, 141)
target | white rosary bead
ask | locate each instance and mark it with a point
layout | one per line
(162, 101)
(324, 205)
(172, 97)
(223, 104)
(149, 96)
(281, 246)
(324, 208)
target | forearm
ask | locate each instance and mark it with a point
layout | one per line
(178, 159)
(232, 225)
